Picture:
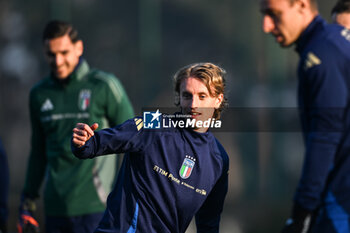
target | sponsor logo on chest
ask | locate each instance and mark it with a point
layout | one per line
(187, 167)
(311, 61)
(84, 99)
(46, 106)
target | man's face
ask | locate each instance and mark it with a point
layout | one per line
(62, 55)
(342, 19)
(196, 101)
(283, 20)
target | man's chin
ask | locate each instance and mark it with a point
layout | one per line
(285, 45)
(60, 76)
(200, 119)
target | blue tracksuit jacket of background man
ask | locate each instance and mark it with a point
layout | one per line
(167, 177)
(324, 85)
(4, 185)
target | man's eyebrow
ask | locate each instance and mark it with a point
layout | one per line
(61, 51)
(267, 11)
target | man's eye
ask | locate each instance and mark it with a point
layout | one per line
(202, 96)
(186, 95)
(272, 14)
(50, 54)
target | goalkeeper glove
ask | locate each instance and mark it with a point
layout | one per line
(3, 228)
(300, 221)
(26, 222)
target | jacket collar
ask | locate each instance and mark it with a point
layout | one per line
(77, 75)
(307, 34)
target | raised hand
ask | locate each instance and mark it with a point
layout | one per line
(83, 132)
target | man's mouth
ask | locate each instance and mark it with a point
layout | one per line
(195, 114)
(278, 37)
(59, 69)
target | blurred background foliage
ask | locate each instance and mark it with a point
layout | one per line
(143, 43)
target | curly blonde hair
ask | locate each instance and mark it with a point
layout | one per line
(210, 74)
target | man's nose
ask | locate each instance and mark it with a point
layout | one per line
(58, 60)
(268, 24)
(194, 102)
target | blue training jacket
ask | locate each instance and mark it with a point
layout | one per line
(167, 177)
(4, 185)
(323, 96)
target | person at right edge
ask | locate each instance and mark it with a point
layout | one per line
(322, 197)
(4, 188)
(341, 13)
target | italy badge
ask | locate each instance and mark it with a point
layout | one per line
(187, 167)
(84, 99)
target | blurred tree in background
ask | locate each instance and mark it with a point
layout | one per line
(143, 42)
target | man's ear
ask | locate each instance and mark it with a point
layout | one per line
(79, 47)
(219, 100)
(303, 4)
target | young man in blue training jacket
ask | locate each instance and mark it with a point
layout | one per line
(168, 175)
(322, 198)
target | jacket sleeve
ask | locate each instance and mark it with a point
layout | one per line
(37, 159)
(4, 185)
(208, 216)
(119, 108)
(323, 119)
(127, 137)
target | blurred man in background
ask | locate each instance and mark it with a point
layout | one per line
(341, 13)
(4, 188)
(322, 198)
(75, 191)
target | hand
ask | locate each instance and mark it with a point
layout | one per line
(293, 226)
(300, 221)
(82, 133)
(26, 222)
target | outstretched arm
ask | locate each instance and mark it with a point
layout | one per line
(127, 137)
